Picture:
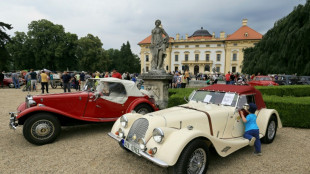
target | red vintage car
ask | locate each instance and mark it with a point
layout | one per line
(43, 115)
(7, 81)
(262, 81)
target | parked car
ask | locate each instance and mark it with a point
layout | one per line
(43, 115)
(7, 81)
(262, 81)
(287, 80)
(180, 137)
(304, 80)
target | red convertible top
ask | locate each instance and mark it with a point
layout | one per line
(241, 90)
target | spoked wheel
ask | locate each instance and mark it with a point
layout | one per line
(41, 128)
(271, 130)
(193, 160)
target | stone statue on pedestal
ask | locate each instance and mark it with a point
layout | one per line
(158, 47)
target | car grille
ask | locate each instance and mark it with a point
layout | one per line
(137, 130)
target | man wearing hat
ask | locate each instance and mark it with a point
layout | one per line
(251, 129)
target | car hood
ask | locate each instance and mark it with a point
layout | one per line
(192, 114)
(60, 95)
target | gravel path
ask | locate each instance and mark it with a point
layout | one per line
(88, 149)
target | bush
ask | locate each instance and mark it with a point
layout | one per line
(176, 96)
(285, 90)
(293, 111)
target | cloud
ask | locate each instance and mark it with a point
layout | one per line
(118, 21)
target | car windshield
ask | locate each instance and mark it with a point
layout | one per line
(223, 98)
(265, 78)
(91, 84)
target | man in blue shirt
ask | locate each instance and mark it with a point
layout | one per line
(251, 129)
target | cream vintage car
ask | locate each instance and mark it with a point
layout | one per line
(180, 137)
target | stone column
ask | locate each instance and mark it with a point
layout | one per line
(157, 84)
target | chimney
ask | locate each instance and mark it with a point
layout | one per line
(244, 22)
(222, 35)
(186, 36)
(178, 36)
(213, 35)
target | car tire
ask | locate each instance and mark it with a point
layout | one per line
(11, 85)
(41, 128)
(193, 159)
(143, 109)
(271, 130)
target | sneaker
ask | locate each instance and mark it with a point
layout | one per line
(252, 141)
(258, 153)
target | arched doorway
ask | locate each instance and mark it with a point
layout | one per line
(207, 68)
(186, 67)
(196, 69)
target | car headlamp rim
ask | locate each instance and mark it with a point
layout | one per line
(124, 121)
(121, 133)
(142, 144)
(158, 135)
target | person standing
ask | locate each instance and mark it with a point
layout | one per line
(33, 77)
(187, 76)
(77, 83)
(179, 80)
(1, 78)
(116, 74)
(227, 78)
(232, 78)
(44, 81)
(66, 80)
(15, 80)
(251, 129)
(184, 81)
(82, 79)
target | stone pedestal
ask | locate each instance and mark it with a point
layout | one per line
(157, 84)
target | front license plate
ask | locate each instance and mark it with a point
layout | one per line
(131, 147)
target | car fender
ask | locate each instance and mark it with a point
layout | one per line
(138, 101)
(263, 117)
(29, 111)
(175, 141)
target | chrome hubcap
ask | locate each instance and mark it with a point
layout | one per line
(197, 161)
(271, 130)
(42, 129)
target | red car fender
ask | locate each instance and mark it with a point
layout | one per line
(138, 101)
(44, 109)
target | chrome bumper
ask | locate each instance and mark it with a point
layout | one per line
(13, 122)
(144, 154)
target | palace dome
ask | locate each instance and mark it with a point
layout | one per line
(201, 32)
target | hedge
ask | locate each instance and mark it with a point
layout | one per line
(285, 90)
(294, 111)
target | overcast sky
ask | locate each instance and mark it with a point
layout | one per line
(117, 21)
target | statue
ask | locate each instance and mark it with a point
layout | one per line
(158, 47)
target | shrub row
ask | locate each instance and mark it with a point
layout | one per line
(285, 90)
(294, 111)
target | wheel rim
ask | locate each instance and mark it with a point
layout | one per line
(143, 111)
(271, 130)
(197, 161)
(42, 129)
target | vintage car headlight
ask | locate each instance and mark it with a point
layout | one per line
(142, 144)
(30, 102)
(158, 135)
(121, 133)
(124, 121)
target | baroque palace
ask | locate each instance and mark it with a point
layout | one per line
(203, 52)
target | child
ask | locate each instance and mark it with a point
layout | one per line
(251, 129)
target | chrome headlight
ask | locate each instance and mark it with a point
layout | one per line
(142, 144)
(158, 135)
(121, 133)
(30, 102)
(124, 121)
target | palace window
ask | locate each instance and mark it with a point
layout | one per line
(234, 57)
(207, 57)
(176, 58)
(167, 68)
(218, 57)
(196, 46)
(235, 44)
(207, 45)
(176, 69)
(146, 58)
(186, 46)
(186, 57)
(219, 45)
(233, 69)
(218, 69)
(196, 57)
(147, 69)
(176, 46)
(207, 68)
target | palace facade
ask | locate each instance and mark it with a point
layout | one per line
(203, 52)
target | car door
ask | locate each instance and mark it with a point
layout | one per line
(238, 128)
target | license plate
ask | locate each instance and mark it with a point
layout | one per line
(131, 147)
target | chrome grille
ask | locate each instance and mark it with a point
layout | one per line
(137, 130)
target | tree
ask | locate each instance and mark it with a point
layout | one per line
(90, 54)
(131, 62)
(284, 48)
(4, 39)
